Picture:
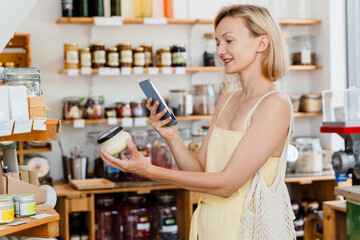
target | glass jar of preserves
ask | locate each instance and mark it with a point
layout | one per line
(160, 152)
(195, 144)
(210, 51)
(139, 57)
(148, 55)
(103, 218)
(7, 211)
(112, 57)
(123, 109)
(71, 55)
(310, 155)
(166, 214)
(25, 205)
(72, 109)
(85, 57)
(137, 109)
(98, 55)
(142, 8)
(303, 50)
(181, 102)
(125, 54)
(178, 55)
(204, 100)
(136, 218)
(93, 107)
(110, 112)
(163, 57)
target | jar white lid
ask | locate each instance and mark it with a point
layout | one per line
(7, 197)
(25, 197)
(6, 203)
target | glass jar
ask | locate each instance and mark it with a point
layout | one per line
(310, 103)
(91, 151)
(303, 50)
(93, 107)
(110, 112)
(85, 57)
(204, 100)
(123, 109)
(195, 144)
(7, 211)
(10, 197)
(167, 226)
(71, 55)
(137, 109)
(181, 102)
(178, 55)
(98, 55)
(112, 57)
(310, 155)
(160, 152)
(136, 219)
(143, 8)
(103, 218)
(28, 77)
(163, 57)
(9, 65)
(125, 54)
(139, 57)
(210, 51)
(148, 55)
(72, 109)
(25, 205)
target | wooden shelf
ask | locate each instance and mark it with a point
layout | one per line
(32, 150)
(306, 114)
(305, 67)
(52, 126)
(308, 178)
(90, 20)
(43, 228)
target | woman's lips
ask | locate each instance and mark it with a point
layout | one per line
(227, 60)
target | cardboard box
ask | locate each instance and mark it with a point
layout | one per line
(36, 102)
(37, 112)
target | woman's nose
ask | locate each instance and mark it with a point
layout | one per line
(220, 50)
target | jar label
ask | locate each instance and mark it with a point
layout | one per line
(143, 227)
(188, 104)
(85, 59)
(99, 57)
(166, 59)
(305, 56)
(6, 215)
(179, 58)
(138, 112)
(113, 59)
(169, 226)
(27, 208)
(67, 4)
(148, 59)
(72, 57)
(139, 59)
(126, 56)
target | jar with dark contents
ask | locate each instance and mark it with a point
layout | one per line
(204, 100)
(160, 152)
(125, 54)
(98, 55)
(139, 57)
(163, 57)
(110, 112)
(136, 218)
(123, 109)
(137, 109)
(93, 107)
(112, 57)
(103, 218)
(178, 55)
(303, 50)
(210, 50)
(85, 57)
(148, 55)
(166, 214)
(72, 109)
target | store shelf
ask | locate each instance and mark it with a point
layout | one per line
(32, 150)
(90, 20)
(306, 114)
(50, 134)
(43, 228)
(308, 178)
(305, 67)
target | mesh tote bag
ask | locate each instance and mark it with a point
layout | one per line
(268, 214)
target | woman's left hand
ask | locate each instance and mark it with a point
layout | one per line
(137, 164)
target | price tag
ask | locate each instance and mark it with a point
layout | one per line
(23, 126)
(138, 70)
(125, 70)
(86, 70)
(73, 72)
(41, 216)
(114, 71)
(17, 223)
(6, 127)
(39, 124)
(153, 70)
(166, 70)
(104, 71)
(112, 121)
(127, 122)
(108, 21)
(140, 122)
(155, 21)
(79, 123)
(180, 70)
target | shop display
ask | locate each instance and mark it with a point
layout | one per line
(91, 151)
(71, 55)
(103, 218)
(181, 102)
(28, 77)
(25, 205)
(310, 155)
(125, 54)
(93, 107)
(77, 228)
(7, 211)
(72, 109)
(163, 57)
(204, 100)
(302, 50)
(166, 218)
(85, 57)
(210, 51)
(148, 55)
(98, 56)
(114, 140)
(310, 103)
(112, 57)
(139, 57)
(178, 55)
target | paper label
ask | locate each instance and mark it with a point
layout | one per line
(112, 121)
(108, 21)
(153, 70)
(125, 70)
(180, 70)
(126, 56)
(99, 57)
(113, 59)
(140, 122)
(155, 21)
(2, 229)
(138, 70)
(73, 72)
(72, 57)
(305, 56)
(39, 124)
(166, 70)
(143, 227)
(139, 59)
(6, 127)
(6, 216)
(85, 59)
(165, 59)
(86, 70)
(104, 71)
(41, 216)
(127, 122)
(27, 208)
(23, 126)
(148, 58)
(79, 123)
(17, 223)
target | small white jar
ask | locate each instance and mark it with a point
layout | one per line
(25, 205)
(114, 140)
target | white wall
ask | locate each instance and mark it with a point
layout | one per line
(48, 38)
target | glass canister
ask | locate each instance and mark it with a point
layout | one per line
(85, 57)
(310, 103)
(160, 152)
(93, 108)
(167, 225)
(181, 102)
(148, 55)
(71, 56)
(139, 57)
(178, 55)
(310, 155)
(28, 77)
(163, 57)
(7, 211)
(112, 57)
(91, 150)
(125, 54)
(103, 218)
(136, 218)
(98, 55)
(72, 109)
(25, 205)
(204, 99)
(303, 50)
(210, 50)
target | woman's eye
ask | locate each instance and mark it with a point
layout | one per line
(228, 41)
(217, 44)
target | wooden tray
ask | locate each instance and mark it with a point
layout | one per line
(96, 183)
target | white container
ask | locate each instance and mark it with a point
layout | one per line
(114, 140)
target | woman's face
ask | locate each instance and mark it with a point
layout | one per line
(236, 47)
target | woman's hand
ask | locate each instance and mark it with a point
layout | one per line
(158, 124)
(137, 164)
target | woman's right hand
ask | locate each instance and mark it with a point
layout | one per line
(160, 125)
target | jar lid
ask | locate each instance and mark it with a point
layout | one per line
(165, 49)
(209, 35)
(135, 198)
(179, 45)
(312, 96)
(113, 49)
(124, 44)
(9, 64)
(180, 90)
(31, 73)
(6, 203)
(98, 44)
(7, 196)
(85, 49)
(166, 198)
(147, 45)
(109, 134)
(141, 49)
(109, 108)
(25, 197)
(71, 44)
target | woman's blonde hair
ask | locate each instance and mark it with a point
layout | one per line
(260, 22)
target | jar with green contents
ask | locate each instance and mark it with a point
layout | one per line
(6, 211)
(10, 197)
(25, 205)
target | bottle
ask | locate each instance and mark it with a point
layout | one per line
(97, 8)
(81, 8)
(127, 8)
(115, 7)
(168, 8)
(67, 8)
(210, 51)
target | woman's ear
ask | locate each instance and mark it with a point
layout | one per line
(263, 43)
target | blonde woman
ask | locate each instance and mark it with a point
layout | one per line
(250, 47)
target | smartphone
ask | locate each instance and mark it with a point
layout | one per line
(151, 92)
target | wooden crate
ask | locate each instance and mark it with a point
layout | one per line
(18, 51)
